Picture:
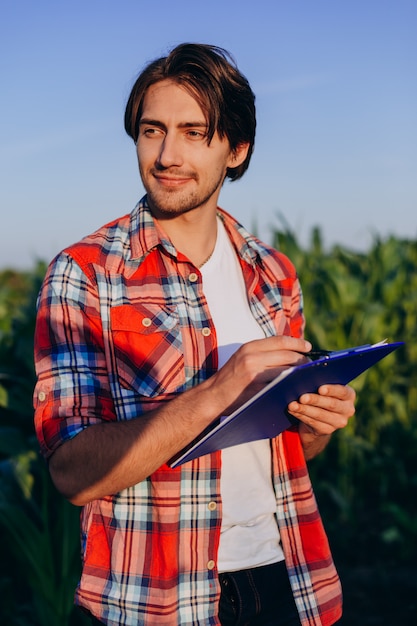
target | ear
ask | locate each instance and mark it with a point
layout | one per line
(238, 155)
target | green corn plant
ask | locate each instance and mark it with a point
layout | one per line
(42, 536)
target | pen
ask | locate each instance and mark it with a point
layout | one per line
(317, 354)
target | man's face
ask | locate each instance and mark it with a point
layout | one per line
(179, 169)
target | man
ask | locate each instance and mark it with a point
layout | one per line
(150, 329)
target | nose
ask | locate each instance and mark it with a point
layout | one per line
(170, 153)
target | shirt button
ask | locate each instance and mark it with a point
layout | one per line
(193, 277)
(41, 396)
(146, 322)
(211, 565)
(212, 506)
(206, 332)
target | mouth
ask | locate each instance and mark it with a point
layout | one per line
(172, 181)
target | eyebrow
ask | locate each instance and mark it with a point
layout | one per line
(150, 122)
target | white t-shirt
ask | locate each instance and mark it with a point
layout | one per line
(249, 534)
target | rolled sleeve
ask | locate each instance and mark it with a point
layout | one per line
(72, 391)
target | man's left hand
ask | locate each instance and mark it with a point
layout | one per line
(322, 413)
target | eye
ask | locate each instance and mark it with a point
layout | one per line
(151, 131)
(196, 134)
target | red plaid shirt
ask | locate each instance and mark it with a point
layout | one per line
(122, 326)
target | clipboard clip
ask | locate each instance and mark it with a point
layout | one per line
(326, 354)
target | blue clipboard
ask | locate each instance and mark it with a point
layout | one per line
(265, 415)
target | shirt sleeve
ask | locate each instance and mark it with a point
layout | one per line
(291, 293)
(72, 390)
(297, 320)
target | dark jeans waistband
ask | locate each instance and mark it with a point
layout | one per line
(260, 596)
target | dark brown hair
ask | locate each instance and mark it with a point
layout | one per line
(211, 76)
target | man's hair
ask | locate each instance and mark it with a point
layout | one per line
(211, 77)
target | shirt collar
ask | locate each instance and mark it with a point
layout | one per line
(145, 235)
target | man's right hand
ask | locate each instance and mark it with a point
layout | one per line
(254, 365)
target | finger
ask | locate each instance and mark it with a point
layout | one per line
(320, 420)
(331, 404)
(317, 421)
(262, 355)
(282, 342)
(343, 392)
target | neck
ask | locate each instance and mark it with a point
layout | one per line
(194, 236)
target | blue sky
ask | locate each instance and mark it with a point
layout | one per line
(336, 87)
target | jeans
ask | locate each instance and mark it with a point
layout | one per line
(261, 596)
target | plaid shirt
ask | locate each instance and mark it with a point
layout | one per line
(123, 325)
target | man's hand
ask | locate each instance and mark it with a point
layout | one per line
(254, 365)
(322, 413)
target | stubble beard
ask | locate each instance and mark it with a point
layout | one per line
(169, 203)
